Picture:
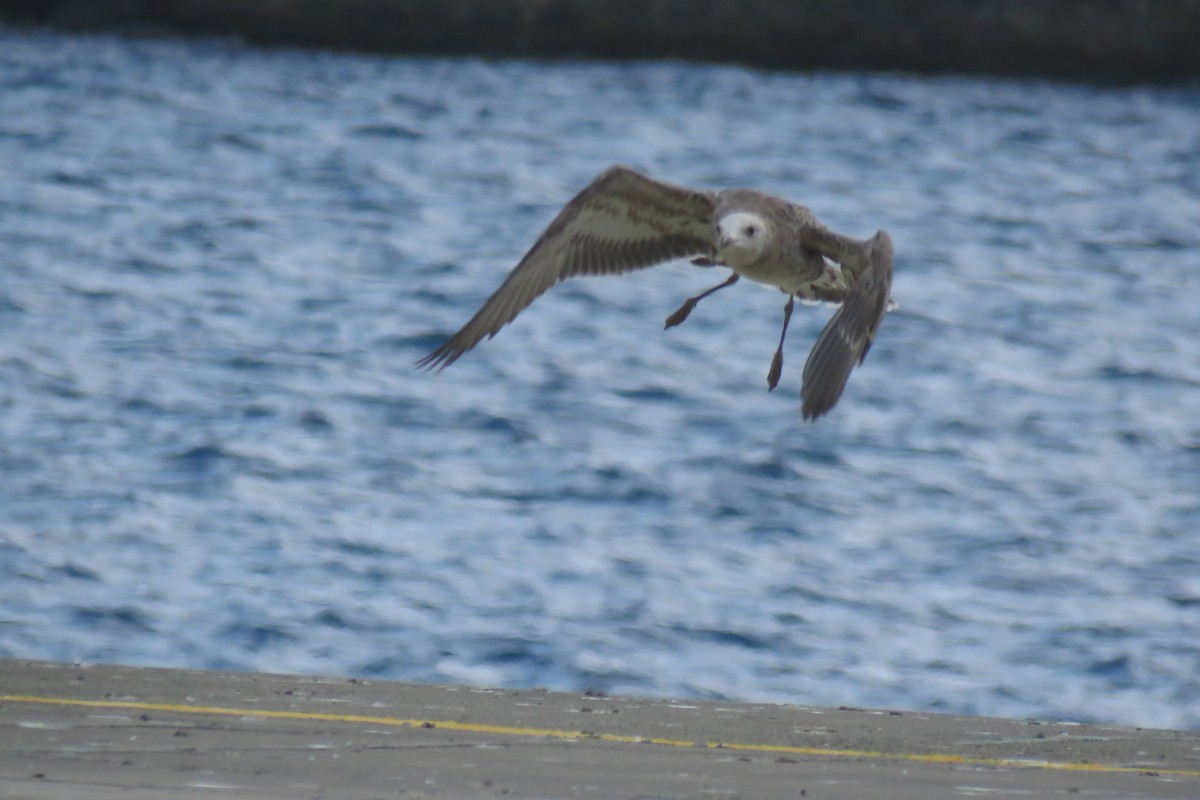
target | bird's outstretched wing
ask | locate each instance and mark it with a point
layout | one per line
(847, 337)
(622, 221)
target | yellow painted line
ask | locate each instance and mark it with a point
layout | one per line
(542, 733)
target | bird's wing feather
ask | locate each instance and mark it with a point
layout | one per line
(846, 251)
(847, 337)
(622, 221)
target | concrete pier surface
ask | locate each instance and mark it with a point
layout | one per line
(71, 731)
(1129, 40)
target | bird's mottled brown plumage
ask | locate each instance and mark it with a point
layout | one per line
(621, 222)
(847, 337)
(625, 221)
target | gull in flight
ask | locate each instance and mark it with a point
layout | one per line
(624, 221)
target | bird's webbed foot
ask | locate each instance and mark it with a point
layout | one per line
(777, 362)
(682, 313)
(776, 370)
(686, 309)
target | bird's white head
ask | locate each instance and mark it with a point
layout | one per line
(741, 237)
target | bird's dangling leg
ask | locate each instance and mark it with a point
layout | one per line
(685, 309)
(777, 361)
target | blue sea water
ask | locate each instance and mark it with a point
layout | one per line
(218, 265)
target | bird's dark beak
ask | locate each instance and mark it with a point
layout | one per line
(725, 242)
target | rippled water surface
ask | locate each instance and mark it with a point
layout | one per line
(219, 265)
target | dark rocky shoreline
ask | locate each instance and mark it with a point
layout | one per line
(1088, 40)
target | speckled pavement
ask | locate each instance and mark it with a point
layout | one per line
(71, 731)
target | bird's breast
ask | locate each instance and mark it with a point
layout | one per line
(789, 275)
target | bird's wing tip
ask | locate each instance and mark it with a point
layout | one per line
(436, 361)
(811, 412)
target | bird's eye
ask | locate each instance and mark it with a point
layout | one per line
(751, 230)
